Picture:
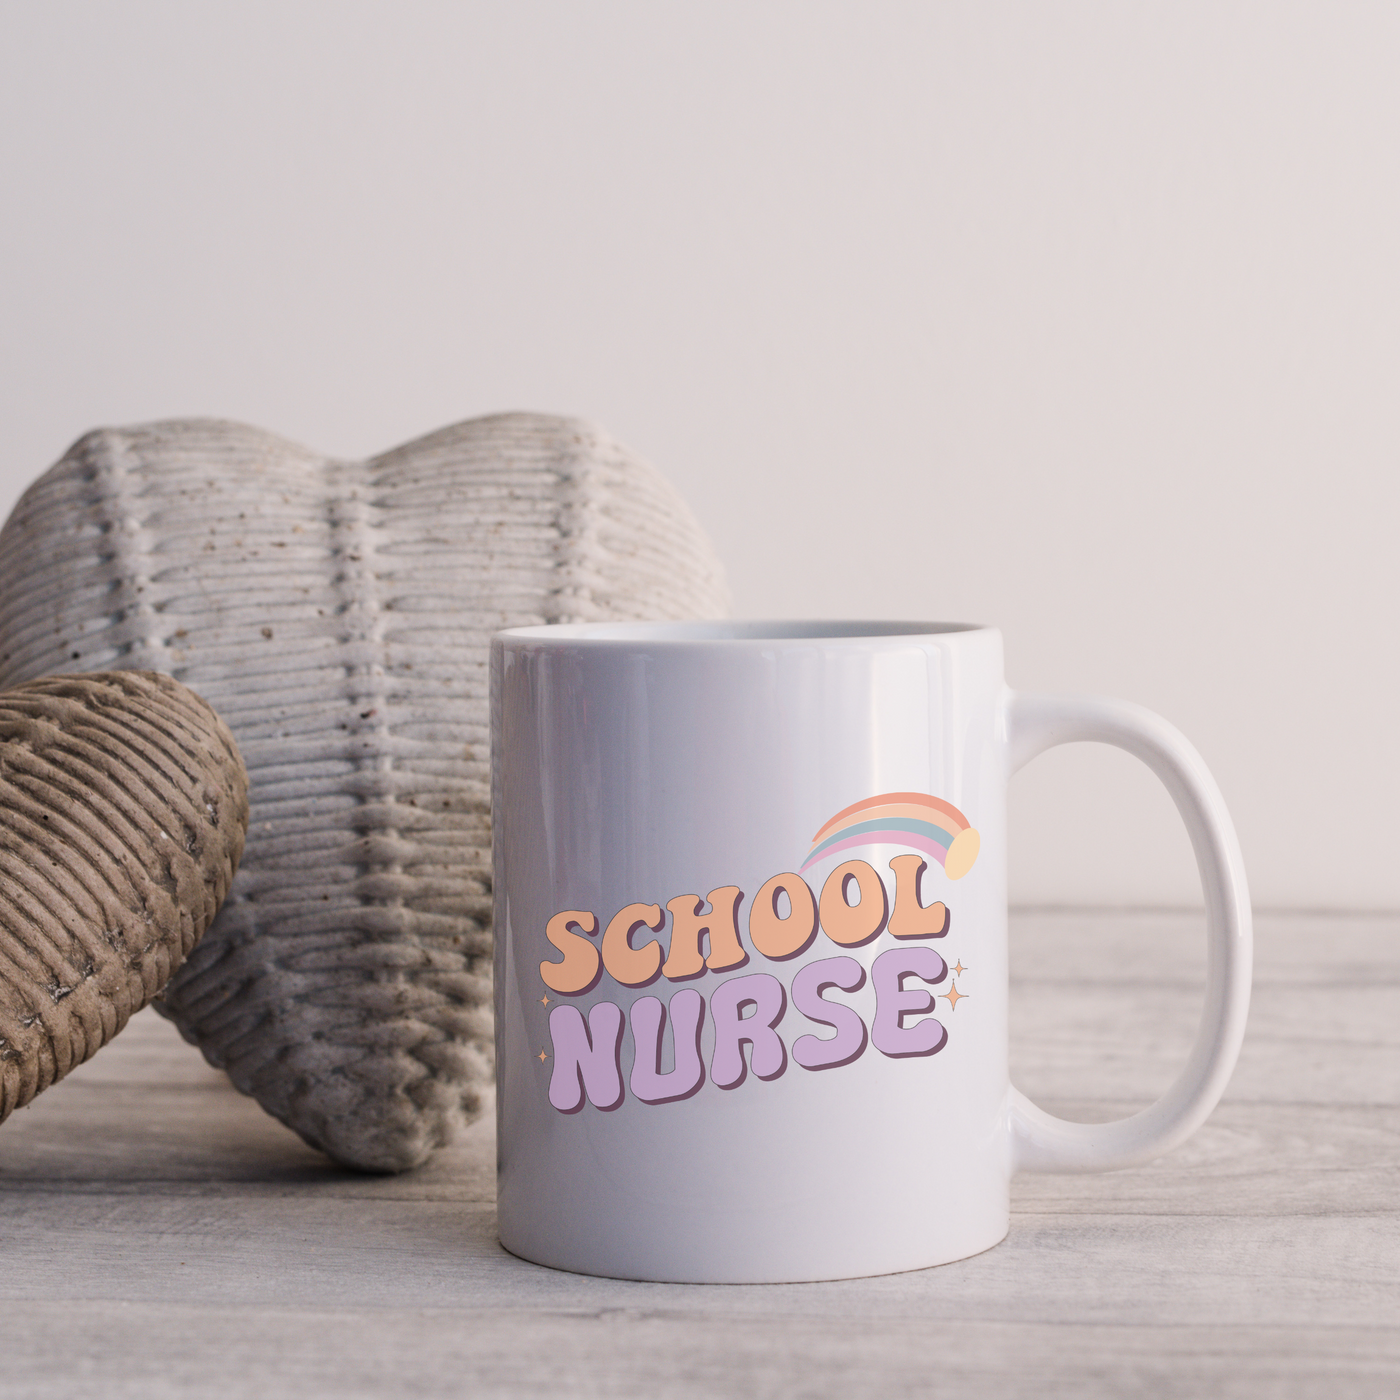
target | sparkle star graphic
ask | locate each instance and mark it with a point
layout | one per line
(544, 1001)
(542, 1057)
(960, 969)
(954, 997)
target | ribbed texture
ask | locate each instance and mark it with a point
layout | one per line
(123, 806)
(338, 615)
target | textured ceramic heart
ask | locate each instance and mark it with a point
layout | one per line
(123, 806)
(338, 615)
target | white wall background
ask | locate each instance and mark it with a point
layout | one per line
(1079, 318)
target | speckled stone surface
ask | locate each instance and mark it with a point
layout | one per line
(123, 807)
(338, 614)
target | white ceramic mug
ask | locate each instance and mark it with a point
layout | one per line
(751, 957)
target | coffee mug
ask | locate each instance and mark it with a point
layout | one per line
(751, 950)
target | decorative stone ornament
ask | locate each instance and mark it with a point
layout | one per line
(338, 615)
(123, 807)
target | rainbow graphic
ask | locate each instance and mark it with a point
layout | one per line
(928, 824)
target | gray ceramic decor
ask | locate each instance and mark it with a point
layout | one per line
(337, 614)
(123, 806)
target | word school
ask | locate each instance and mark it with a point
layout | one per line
(853, 910)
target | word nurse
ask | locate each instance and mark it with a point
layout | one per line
(784, 920)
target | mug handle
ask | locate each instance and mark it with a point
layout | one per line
(1042, 1142)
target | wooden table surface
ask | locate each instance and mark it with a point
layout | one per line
(163, 1237)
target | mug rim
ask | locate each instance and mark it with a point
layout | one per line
(737, 631)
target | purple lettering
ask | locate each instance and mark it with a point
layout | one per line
(810, 1051)
(648, 1023)
(732, 1028)
(586, 1057)
(893, 1003)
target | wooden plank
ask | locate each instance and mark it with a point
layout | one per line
(1123, 1269)
(1302, 1046)
(1168, 947)
(164, 1237)
(229, 1354)
(158, 1132)
(1105, 1007)
(1248, 1160)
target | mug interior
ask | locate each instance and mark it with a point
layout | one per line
(735, 631)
